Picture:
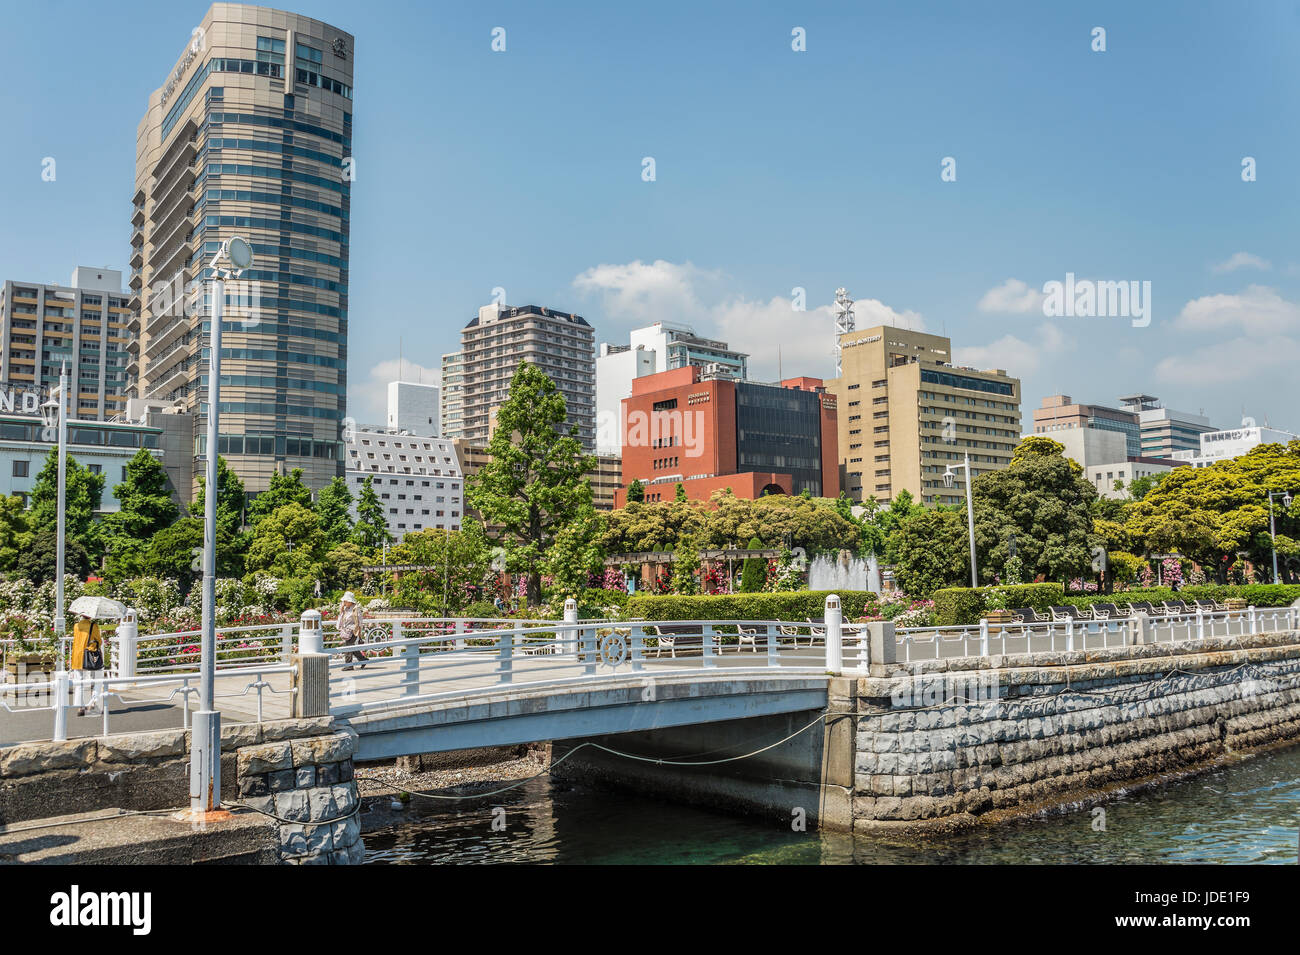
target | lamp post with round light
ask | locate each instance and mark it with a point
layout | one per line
(1285, 497)
(55, 413)
(231, 259)
(948, 480)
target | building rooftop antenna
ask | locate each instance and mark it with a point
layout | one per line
(844, 322)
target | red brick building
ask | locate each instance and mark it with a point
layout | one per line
(710, 433)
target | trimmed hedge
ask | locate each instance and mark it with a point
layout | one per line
(796, 606)
(955, 606)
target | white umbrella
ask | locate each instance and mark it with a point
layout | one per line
(97, 607)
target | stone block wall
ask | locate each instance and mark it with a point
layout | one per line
(959, 740)
(307, 785)
(299, 770)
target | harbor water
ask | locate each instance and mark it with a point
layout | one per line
(1248, 812)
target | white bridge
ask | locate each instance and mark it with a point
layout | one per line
(431, 684)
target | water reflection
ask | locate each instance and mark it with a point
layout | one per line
(1244, 814)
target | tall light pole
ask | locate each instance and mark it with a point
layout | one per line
(948, 478)
(205, 753)
(56, 415)
(1272, 530)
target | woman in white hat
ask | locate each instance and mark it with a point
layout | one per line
(350, 629)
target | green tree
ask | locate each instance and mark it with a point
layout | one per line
(83, 495)
(288, 543)
(930, 551)
(333, 511)
(146, 508)
(13, 531)
(283, 489)
(534, 483)
(686, 567)
(38, 562)
(1043, 499)
(753, 574)
(231, 500)
(342, 566)
(680, 493)
(371, 529)
(1210, 514)
(232, 539)
(576, 554)
(460, 563)
(172, 551)
(636, 491)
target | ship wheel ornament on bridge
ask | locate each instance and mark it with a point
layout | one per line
(613, 650)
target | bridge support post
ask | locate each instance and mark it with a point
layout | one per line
(286, 643)
(569, 633)
(508, 640)
(883, 646)
(834, 634)
(311, 673)
(410, 657)
(60, 687)
(126, 645)
(1139, 629)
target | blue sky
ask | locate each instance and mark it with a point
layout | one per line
(775, 169)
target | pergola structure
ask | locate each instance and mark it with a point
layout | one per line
(651, 562)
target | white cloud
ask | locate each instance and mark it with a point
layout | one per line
(1012, 296)
(1019, 357)
(1259, 310)
(1242, 260)
(1256, 338)
(1234, 360)
(368, 398)
(778, 339)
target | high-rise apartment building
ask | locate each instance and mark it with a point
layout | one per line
(500, 337)
(906, 413)
(452, 400)
(662, 346)
(83, 324)
(250, 134)
(1061, 413)
(1165, 430)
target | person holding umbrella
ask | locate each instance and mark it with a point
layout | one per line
(87, 659)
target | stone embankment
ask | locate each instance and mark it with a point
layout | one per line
(58, 799)
(959, 741)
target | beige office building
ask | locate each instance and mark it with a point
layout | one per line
(82, 325)
(249, 134)
(499, 338)
(906, 413)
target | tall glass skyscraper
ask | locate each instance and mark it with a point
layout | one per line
(250, 134)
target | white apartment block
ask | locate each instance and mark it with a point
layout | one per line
(417, 478)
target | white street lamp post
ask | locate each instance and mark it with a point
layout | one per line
(1272, 529)
(57, 416)
(948, 478)
(205, 754)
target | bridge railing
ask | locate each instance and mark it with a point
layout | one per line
(439, 658)
(76, 689)
(989, 638)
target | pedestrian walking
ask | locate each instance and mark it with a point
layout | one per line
(87, 662)
(350, 629)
